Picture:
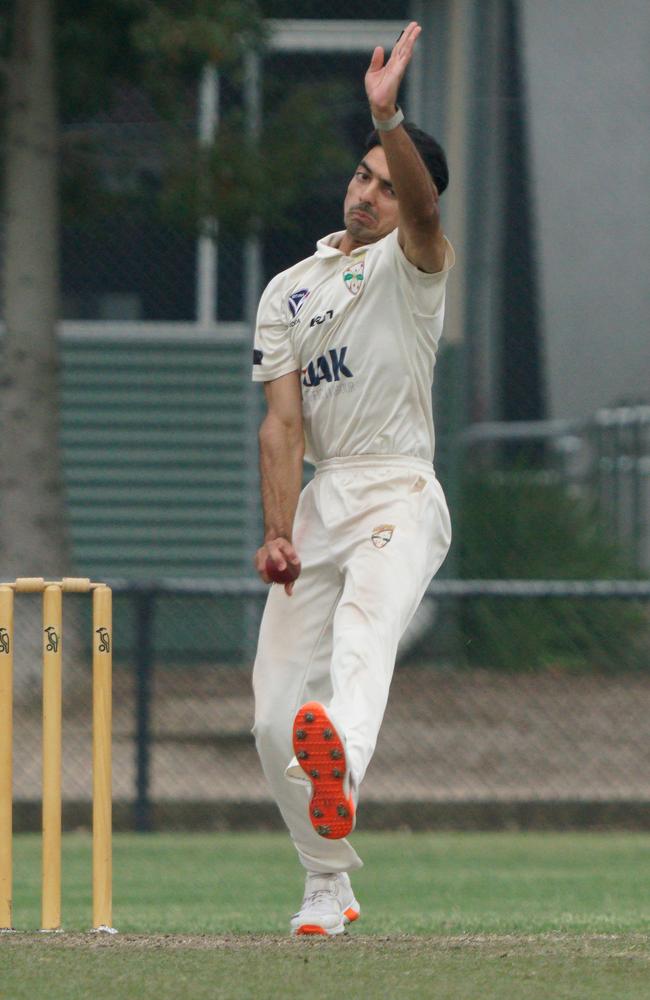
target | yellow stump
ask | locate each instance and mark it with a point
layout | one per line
(102, 782)
(6, 728)
(52, 661)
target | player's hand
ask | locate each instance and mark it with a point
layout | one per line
(281, 553)
(383, 81)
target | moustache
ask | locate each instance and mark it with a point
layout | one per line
(366, 209)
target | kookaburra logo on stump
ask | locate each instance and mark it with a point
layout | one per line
(382, 535)
(52, 639)
(104, 640)
(4, 641)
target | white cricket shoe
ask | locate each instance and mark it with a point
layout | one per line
(327, 906)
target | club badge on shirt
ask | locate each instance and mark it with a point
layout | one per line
(353, 276)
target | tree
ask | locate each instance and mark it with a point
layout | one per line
(73, 54)
(155, 45)
(65, 60)
(34, 537)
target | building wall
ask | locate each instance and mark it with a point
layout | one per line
(588, 79)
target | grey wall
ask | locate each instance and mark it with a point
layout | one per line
(588, 79)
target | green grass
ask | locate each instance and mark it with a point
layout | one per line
(328, 970)
(248, 883)
(445, 915)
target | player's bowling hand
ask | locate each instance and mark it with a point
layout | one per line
(382, 79)
(278, 562)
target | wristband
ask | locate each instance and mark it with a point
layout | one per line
(390, 123)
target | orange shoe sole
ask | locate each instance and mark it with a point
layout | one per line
(311, 929)
(320, 752)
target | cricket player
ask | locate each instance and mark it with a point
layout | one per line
(345, 345)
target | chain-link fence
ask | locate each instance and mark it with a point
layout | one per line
(146, 237)
(518, 696)
(462, 741)
(602, 462)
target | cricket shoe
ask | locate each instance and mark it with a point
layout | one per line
(327, 906)
(320, 752)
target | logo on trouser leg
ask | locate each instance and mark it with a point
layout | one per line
(382, 534)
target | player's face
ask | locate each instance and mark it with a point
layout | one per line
(370, 206)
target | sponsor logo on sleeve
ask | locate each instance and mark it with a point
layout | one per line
(296, 301)
(257, 356)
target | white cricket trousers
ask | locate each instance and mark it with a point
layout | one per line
(370, 531)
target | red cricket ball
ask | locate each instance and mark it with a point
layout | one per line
(290, 572)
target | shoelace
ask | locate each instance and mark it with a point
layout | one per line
(317, 894)
(323, 893)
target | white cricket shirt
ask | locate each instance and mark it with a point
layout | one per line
(363, 331)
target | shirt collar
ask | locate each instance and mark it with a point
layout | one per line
(329, 246)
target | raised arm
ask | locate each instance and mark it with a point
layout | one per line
(419, 231)
(282, 448)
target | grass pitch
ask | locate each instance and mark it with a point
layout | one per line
(443, 915)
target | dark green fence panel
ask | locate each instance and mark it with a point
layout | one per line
(159, 449)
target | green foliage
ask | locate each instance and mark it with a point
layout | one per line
(94, 52)
(512, 526)
(245, 181)
(193, 32)
(160, 46)
(139, 60)
(175, 41)
(304, 151)
(515, 525)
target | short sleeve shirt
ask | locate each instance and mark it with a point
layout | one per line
(363, 331)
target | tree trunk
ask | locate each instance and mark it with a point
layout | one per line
(34, 536)
(34, 539)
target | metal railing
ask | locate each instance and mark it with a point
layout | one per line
(562, 738)
(146, 594)
(605, 459)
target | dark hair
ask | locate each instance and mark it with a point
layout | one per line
(431, 152)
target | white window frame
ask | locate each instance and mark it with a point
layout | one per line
(285, 35)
